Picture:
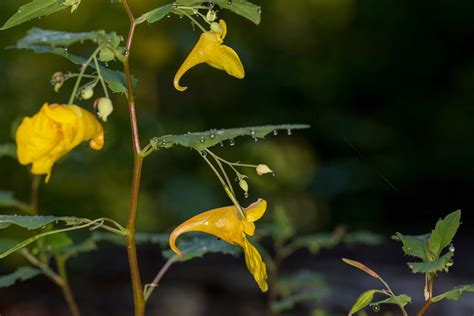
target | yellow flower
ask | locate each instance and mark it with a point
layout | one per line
(227, 224)
(53, 132)
(209, 49)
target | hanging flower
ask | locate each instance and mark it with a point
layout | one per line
(53, 132)
(209, 49)
(228, 225)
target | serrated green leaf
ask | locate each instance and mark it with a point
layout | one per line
(37, 36)
(434, 266)
(8, 150)
(22, 274)
(202, 140)
(35, 222)
(199, 246)
(115, 79)
(288, 303)
(156, 14)
(444, 233)
(243, 8)
(246, 9)
(295, 282)
(415, 246)
(363, 301)
(32, 10)
(400, 300)
(8, 200)
(455, 293)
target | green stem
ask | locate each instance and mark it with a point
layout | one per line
(102, 81)
(137, 288)
(65, 287)
(81, 74)
(192, 19)
(149, 288)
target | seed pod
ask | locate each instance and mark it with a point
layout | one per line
(263, 169)
(87, 93)
(104, 108)
(106, 54)
(244, 185)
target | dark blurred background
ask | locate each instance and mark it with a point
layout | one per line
(386, 85)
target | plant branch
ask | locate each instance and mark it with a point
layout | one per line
(65, 287)
(138, 297)
(149, 288)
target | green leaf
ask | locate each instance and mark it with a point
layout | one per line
(363, 301)
(288, 303)
(8, 200)
(415, 246)
(400, 300)
(316, 242)
(35, 222)
(156, 14)
(202, 140)
(140, 238)
(455, 293)
(54, 243)
(246, 9)
(34, 9)
(22, 274)
(444, 233)
(199, 246)
(37, 36)
(8, 150)
(7, 243)
(115, 79)
(300, 280)
(243, 8)
(440, 264)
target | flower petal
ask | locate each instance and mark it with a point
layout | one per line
(255, 210)
(221, 222)
(256, 266)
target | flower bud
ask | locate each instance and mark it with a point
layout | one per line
(106, 54)
(263, 169)
(244, 185)
(104, 108)
(216, 28)
(87, 93)
(211, 16)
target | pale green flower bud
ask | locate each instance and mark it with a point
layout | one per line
(263, 169)
(104, 108)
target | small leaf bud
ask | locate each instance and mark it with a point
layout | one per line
(263, 169)
(104, 108)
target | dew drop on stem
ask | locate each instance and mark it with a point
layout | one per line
(232, 142)
(289, 132)
(275, 133)
(376, 308)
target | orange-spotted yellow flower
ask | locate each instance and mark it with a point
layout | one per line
(227, 224)
(54, 131)
(209, 49)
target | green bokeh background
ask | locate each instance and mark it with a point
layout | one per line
(386, 85)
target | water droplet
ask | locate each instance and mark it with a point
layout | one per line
(255, 139)
(39, 18)
(451, 248)
(175, 5)
(121, 38)
(246, 195)
(274, 174)
(213, 136)
(211, 5)
(126, 53)
(232, 142)
(288, 132)
(163, 143)
(44, 39)
(19, 11)
(204, 153)
(181, 16)
(375, 308)
(275, 133)
(236, 179)
(66, 49)
(221, 144)
(168, 16)
(252, 132)
(106, 64)
(202, 140)
(229, 1)
(259, 10)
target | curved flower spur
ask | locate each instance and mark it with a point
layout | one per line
(209, 49)
(53, 132)
(227, 224)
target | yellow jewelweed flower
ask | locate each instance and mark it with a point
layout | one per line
(228, 225)
(53, 132)
(209, 49)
